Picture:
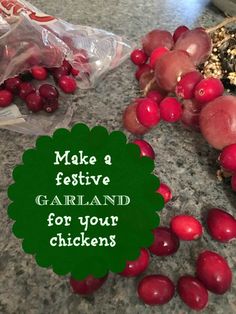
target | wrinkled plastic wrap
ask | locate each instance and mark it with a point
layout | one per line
(29, 37)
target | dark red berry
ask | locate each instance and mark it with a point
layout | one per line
(130, 120)
(145, 68)
(138, 266)
(170, 110)
(67, 66)
(192, 292)
(13, 84)
(34, 102)
(59, 72)
(179, 31)
(39, 73)
(155, 95)
(186, 86)
(6, 98)
(26, 88)
(165, 242)
(148, 112)
(145, 148)
(75, 72)
(50, 106)
(186, 227)
(156, 290)
(228, 158)
(138, 57)
(67, 84)
(48, 91)
(165, 191)
(87, 286)
(208, 89)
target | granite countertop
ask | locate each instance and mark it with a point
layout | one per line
(184, 161)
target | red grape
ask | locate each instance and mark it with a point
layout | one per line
(179, 31)
(191, 114)
(155, 39)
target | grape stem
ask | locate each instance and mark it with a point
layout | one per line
(226, 21)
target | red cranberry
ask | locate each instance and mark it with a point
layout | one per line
(138, 57)
(48, 91)
(156, 54)
(13, 84)
(156, 290)
(221, 225)
(186, 227)
(6, 98)
(208, 89)
(39, 73)
(148, 112)
(233, 182)
(165, 242)
(131, 122)
(214, 272)
(74, 72)
(26, 88)
(135, 268)
(67, 84)
(145, 148)
(165, 191)
(228, 158)
(51, 106)
(179, 31)
(87, 286)
(155, 95)
(66, 65)
(145, 68)
(186, 86)
(34, 102)
(59, 72)
(170, 109)
(192, 292)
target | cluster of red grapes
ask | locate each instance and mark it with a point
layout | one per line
(46, 97)
(175, 90)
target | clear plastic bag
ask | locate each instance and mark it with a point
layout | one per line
(29, 37)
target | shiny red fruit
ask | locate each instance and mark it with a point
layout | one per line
(228, 158)
(6, 98)
(51, 106)
(186, 227)
(145, 68)
(135, 268)
(165, 242)
(192, 292)
(138, 57)
(214, 272)
(179, 31)
(156, 54)
(87, 286)
(26, 88)
(13, 84)
(165, 191)
(155, 95)
(48, 91)
(186, 86)
(66, 65)
(208, 89)
(130, 120)
(156, 290)
(148, 113)
(34, 102)
(170, 109)
(75, 72)
(221, 225)
(39, 73)
(59, 72)
(155, 39)
(67, 84)
(145, 148)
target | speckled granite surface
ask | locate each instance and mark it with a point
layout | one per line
(184, 161)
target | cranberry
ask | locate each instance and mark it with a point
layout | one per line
(155, 95)
(214, 272)
(192, 292)
(131, 122)
(66, 65)
(67, 84)
(208, 89)
(170, 110)
(74, 72)
(34, 102)
(165, 242)
(145, 148)
(6, 98)
(145, 68)
(39, 73)
(179, 31)
(26, 88)
(156, 289)
(186, 227)
(138, 57)
(51, 106)
(233, 182)
(148, 112)
(59, 72)
(87, 286)
(228, 158)
(165, 191)
(48, 91)
(156, 54)
(135, 268)
(185, 87)
(221, 225)
(13, 84)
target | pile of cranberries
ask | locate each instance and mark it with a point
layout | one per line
(46, 96)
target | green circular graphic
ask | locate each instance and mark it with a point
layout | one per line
(84, 201)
